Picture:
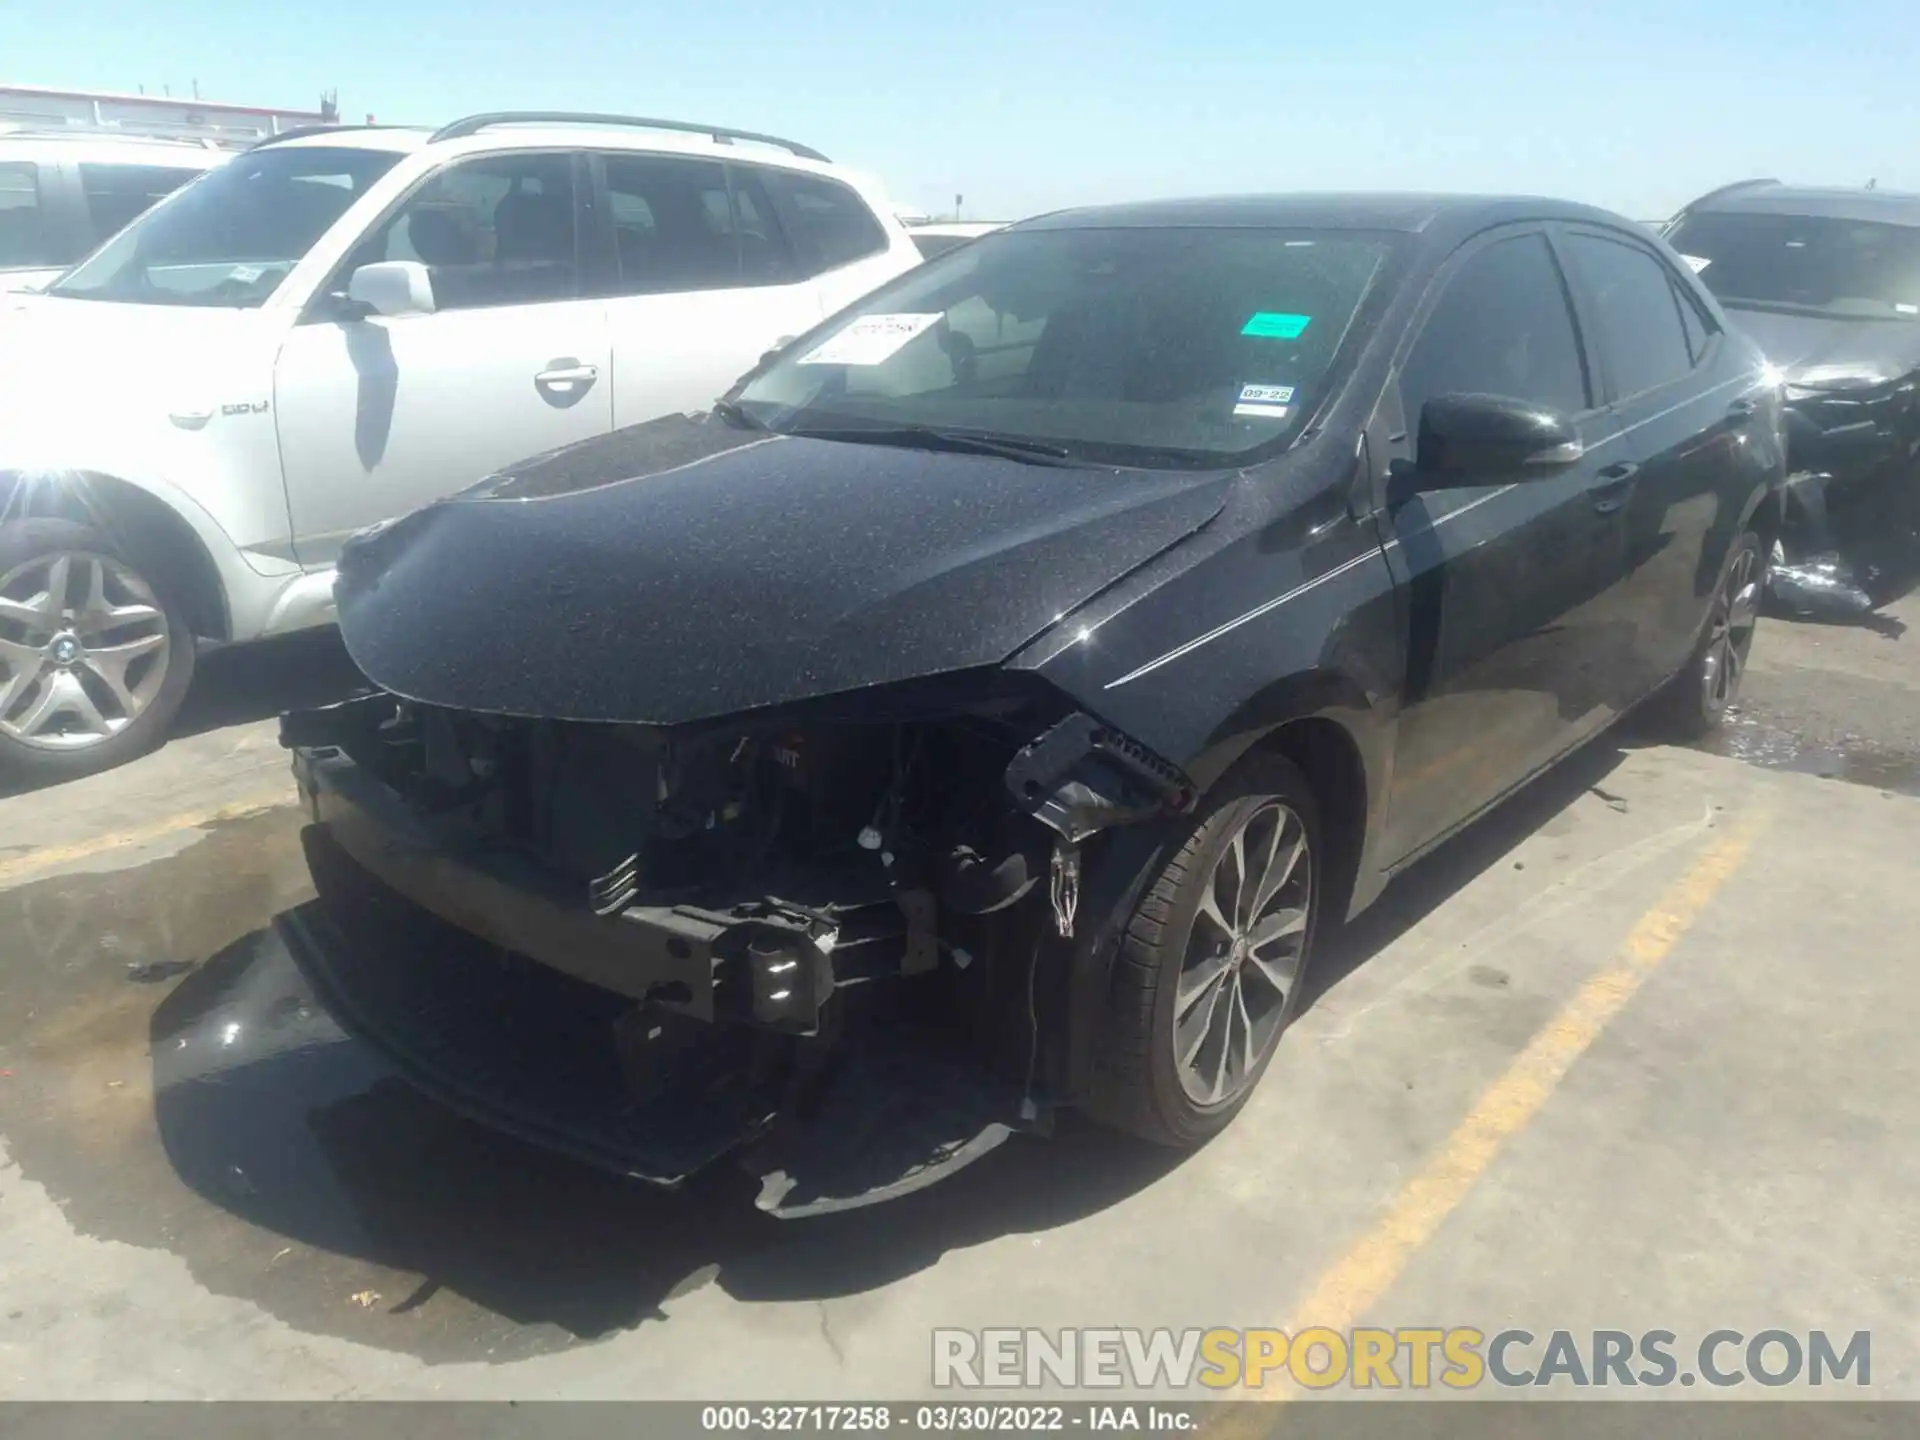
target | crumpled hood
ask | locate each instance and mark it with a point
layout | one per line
(682, 570)
(1796, 344)
(80, 375)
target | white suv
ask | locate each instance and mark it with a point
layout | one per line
(62, 192)
(336, 327)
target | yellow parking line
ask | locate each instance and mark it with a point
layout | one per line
(1353, 1284)
(50, 856)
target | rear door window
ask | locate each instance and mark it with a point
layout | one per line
(1636, 313)
(1700, 332)
(116, 194)
(828, 223)
(679, 226)
(23, 238)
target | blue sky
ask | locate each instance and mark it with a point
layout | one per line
(1023, 107)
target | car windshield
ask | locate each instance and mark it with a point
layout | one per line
(1175, 346)
(230, 237)
(1849, 267)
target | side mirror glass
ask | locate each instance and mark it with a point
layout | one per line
(393, 287)
(1489, 439)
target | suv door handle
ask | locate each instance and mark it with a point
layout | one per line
(559, 379)
(1613, 484)
(1742, 409)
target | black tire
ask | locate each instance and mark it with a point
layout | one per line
(23, 542)
(1691, 704)
(1137, 1085)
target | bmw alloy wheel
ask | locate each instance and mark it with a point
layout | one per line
(1243, 955)
(84, 649)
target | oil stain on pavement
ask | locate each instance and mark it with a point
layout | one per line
(174, 1086)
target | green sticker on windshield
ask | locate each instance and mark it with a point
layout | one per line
(1273, 325)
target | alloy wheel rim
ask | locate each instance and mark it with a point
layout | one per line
(1736, 610)
(1243, 955)
(84, 649)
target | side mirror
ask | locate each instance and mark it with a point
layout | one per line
(393, 287)
(1486, 439)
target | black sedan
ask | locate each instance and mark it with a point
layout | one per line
(983, 709)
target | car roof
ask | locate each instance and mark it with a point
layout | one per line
(1891, 207)
(1409, 213)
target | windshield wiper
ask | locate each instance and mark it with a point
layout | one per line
(958, 442)
(735, 414)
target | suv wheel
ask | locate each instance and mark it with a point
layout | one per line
(95, 657)
(1210, 963)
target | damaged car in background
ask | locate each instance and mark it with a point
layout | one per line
(982, 709)
(1828, 282)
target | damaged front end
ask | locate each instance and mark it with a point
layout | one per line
(1853, 441)
(831, 939)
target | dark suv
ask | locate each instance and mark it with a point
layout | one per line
(1827, 281)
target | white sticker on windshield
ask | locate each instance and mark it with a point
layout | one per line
(245, 274)
(1265, 394)
(1696, 263)
(1269, 402)
(868, 340)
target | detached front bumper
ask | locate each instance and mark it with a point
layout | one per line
(517, 1045)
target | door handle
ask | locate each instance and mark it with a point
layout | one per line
(562, 376)
(1743, 409)
(1613, 484)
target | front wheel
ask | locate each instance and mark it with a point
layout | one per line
(1210, 964)
(95, 658)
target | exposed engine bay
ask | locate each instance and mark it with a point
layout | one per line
(785, 891)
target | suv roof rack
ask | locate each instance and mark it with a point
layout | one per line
(105, 132)
(1712, 195)
(720, 134)
(299, 131)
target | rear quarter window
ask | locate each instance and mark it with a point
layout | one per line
(828, 224)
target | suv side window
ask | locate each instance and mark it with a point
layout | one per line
(1502, 327)
(679, 226)
(499, 230)
(23, 239)
(1636, 312)
(829, 224)
(118, 194)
